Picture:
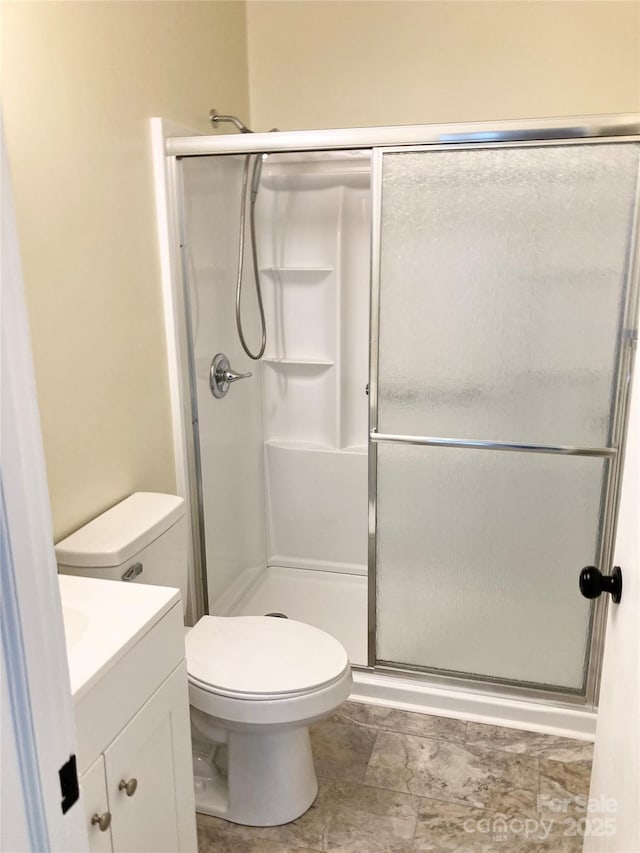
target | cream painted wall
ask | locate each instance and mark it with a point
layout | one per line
(318, 63)
(80, 81)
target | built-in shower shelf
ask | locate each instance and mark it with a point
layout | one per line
(298, 275)
(316, 446)
(292, 444)
(311, 363)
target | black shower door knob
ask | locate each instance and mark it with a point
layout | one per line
(593, 582)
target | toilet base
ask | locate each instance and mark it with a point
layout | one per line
(271, 778)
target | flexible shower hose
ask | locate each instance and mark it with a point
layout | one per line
(255, 180)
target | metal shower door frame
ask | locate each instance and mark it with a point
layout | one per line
(626, 347)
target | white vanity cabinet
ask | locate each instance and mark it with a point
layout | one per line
(137, 780)
(132, 717)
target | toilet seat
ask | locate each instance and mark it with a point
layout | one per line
(258, 657)
(260, 697)
(257, 670)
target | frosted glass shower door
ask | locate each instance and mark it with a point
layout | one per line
(502, 286)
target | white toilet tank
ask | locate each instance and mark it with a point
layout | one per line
(142, 539)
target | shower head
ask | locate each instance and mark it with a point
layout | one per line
(215, 118)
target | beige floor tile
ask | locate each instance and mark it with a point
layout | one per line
(443, 770)
(341, 751)
(389, 719)
(564, 788)
(444, 827)
(213, 840)
(529, 743)
(351, 818)
(447, 826)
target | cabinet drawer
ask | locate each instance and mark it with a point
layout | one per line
(113, 701)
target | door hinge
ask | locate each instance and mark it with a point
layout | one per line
(69, 787)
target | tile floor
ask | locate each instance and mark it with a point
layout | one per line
(395, 782)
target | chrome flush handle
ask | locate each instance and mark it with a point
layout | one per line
(221, 375)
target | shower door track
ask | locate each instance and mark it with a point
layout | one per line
(569, 129)
(578, 130)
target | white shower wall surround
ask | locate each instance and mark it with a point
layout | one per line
(297, 431)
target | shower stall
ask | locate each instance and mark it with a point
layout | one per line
(430, 448)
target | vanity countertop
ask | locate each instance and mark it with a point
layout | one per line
(103, 620)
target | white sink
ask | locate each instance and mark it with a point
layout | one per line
(104, 619)
(76, 623)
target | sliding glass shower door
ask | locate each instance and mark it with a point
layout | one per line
(499, 359)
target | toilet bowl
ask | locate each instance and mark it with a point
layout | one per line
(255, 682)
(257, 701)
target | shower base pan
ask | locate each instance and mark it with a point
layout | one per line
(337, 603)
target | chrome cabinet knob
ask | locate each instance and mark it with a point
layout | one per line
(103, 821)
(129, 785)
(221, 375)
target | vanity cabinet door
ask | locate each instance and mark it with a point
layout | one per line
(96, 807)
(150, 778)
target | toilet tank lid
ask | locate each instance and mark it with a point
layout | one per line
(121, 532)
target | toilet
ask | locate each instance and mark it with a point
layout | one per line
(255, 682)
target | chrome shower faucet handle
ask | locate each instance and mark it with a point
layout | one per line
(221, 375)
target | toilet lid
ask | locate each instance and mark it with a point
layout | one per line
(261, 656)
